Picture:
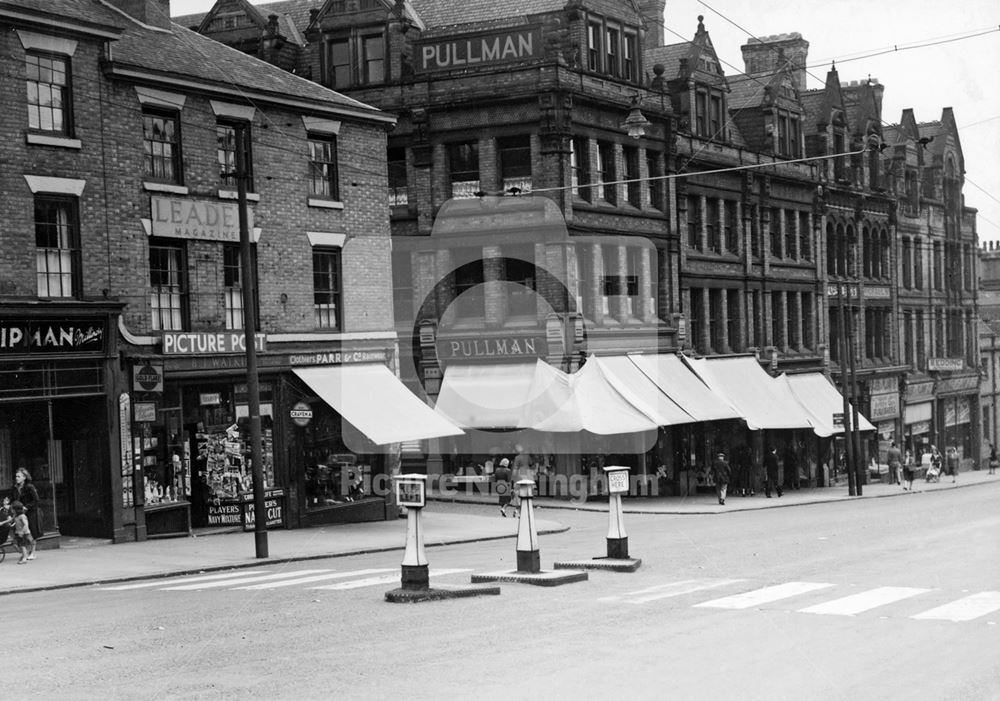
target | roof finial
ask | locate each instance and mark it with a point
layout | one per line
(701, 23)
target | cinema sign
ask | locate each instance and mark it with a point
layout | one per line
(483, 49)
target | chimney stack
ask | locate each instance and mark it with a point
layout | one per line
(155, 13)
(652, 15)
(769, 54)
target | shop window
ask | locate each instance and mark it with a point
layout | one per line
(227, 137)
(463, 169)
(633, 186)
(607, 173)
(514, 155)
(57, 246)
(168, 283)
(579, 157)
(323, 175)
(327, 288)
(48, 84)
(333, 474)
(396, 162)
(162, 142)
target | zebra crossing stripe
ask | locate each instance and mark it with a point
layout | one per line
(175, 580)
(680, 588)
(863, 601)
(312, 578)
(372, 581)
(964, 609)
(242, 580)
(763, 596)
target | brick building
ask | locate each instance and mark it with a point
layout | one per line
(123, 384)
(937, 285)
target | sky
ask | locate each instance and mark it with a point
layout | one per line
(928, 62)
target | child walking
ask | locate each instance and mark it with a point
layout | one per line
(23, 540)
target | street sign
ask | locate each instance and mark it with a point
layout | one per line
(838, 419)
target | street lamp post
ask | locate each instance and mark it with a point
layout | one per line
(845, 386)
(249, 285)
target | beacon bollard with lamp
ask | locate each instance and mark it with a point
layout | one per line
(411, 492)
(529, 569)
(617, 559)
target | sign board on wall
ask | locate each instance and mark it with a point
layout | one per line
(20, 336)
(193, 343)
(147, 377)
(144, 412)
(208, 220)
(491, 347)
(481, 49)
(945, 364)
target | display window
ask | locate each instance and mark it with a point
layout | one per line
(333, 475)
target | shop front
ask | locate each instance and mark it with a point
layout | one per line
(329, 420)
(958, 415)
(59, 379)
(885, 412)
(919, 427)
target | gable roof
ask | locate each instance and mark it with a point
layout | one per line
(291, 14)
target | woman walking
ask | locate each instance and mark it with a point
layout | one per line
(24, 491)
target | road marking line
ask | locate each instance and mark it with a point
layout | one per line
(172, 580)
(680, 588)
(765, 595)
(312, 578)
(244, 580)
(372, 581)
(863, 601)
(964, 609)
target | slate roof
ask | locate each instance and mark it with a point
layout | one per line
(291, 13)
(86, 10)
(182, 51)
(670, 56)
(440, 13)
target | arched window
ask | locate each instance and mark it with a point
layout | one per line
(831, 250)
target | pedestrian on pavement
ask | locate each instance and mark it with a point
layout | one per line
(908, 467)
(23, 541)
(791, 468)
(24, 491)
(993, 459)
(952, 462)
(895, 460)
(720, 474)
(771, 473)
(501, 482)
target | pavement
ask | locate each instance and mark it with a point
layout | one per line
(85, 561)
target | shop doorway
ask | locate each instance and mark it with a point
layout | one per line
(63, 445)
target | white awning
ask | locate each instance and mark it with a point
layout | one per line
(485, 396)
(821, 400)
(587, 400)
(640, 391)
(375, 402)
(761, 402)
(684, 387)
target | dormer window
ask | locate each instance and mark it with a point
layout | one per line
(709, 111)
(789, 135)
(612, 49)
(354, 58)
